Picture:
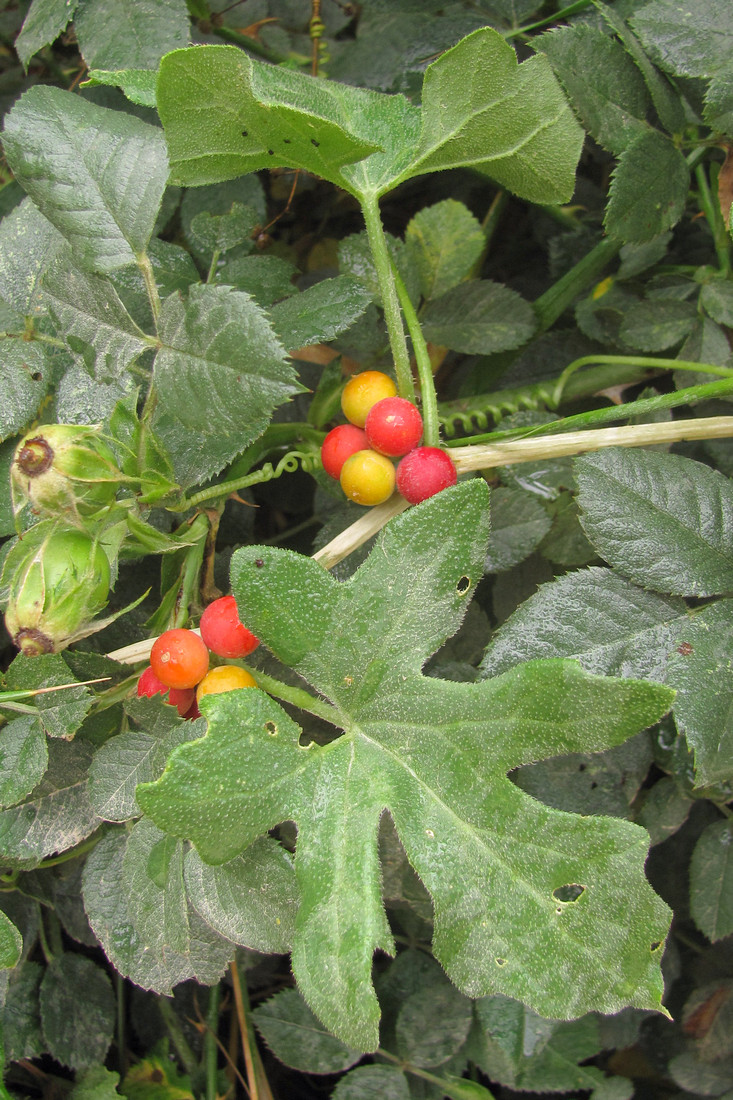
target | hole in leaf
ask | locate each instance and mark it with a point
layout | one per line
(582, 767)
(571, 891)
(36, 376)
(245, 133)
(559, 909)
(464, 583)
(314, 142)
(271, 728)
(304, 742)
(500, 962)
(271, 152)
(655, 946)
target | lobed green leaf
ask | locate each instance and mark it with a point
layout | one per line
(436, 755)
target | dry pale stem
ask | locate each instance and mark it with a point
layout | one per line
(485, 456)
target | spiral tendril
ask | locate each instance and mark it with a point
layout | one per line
(540, 395)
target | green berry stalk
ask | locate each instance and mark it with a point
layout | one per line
(64, 467)
(54, 581)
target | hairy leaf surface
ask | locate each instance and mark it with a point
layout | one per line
(435, 754)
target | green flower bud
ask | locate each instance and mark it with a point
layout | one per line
(65, 467)
(55, 581)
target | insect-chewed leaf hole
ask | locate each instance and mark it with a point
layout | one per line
(464, 583)
(304, 741)
(500, 962)
(271, 728)
(656, 945)
(571, 891)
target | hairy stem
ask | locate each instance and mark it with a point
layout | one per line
(390, 300)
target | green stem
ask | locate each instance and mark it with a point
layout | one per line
(72, 853)
(287, 464)
(251, 45)
(416, 1071)
(146, 268)
(645, 406)
(431, 424)
(120, 1025)
(711, 209)
(553, 303)
(33, 335)
(390, 300)
(210, 1046)
(637, 360)
(212, 266)
(179, 1040)
(297, 697)
(571, 9)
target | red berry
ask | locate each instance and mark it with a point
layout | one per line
(393, 426)
(223, 632)
(181, 698)
(179, 658)
(424, 472)
(341, 443)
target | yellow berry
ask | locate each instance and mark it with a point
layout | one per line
(362, 391)
(224, 678)
(368, 478)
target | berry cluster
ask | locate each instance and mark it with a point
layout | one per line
(179, 660)
(383, 426)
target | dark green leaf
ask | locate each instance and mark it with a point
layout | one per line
(700, 670)
(266, 278)
(77, 1011)
(472, 836)
(23, 758)
(251, 900)
(107, 909)
(586, 783)
(683, 42)
(135, 756)
(60, 713)
(96, 1083)
(518, 525)
(373, 1083)
(443, 242)
(57, 814)
(21, 1017)
(45, 21)
(648, 189)
(664, 809)
(605, 87)
(130, 34)
(320, 312)
(219, 375)
(479, 316)
(718, 111)
(431, 1029)
(661, 519)
(26, 378)
(716, 298)
(665, 96)
(11, 943)
(658, 324)
(152, 879)
(28, 243)
(355, 258)
(98, 175)
(711, 881)
(222, 232)
(298, 1039)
